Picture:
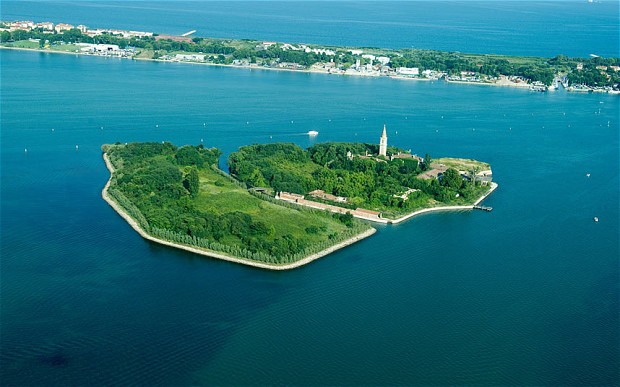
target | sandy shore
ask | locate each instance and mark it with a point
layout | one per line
(213, 254)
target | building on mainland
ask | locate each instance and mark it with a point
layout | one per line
(61, 27)
(383, 143)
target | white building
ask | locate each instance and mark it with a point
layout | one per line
(47, 26)
(383, 60)
(320, 51)
(60, 27)
(369, 56)
(194, 57)
(408, 71)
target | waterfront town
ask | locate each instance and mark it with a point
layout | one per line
(594, 74)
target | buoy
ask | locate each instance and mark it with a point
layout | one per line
(247, 122)
(25, 150)
(201, 140)
(76, 147)
(587, 175)
(596, 218)
(102, 128)
(291, 121)
(157, 126)
(52, 129)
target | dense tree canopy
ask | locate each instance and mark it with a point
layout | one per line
(348, 170)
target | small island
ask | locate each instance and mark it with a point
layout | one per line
(282, 206)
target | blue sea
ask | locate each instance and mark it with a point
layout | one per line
(527, 294)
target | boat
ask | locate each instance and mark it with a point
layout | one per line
(313, 133)
(596, 218)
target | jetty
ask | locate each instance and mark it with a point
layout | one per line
(483, 208)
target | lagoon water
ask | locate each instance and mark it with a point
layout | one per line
(525, 294)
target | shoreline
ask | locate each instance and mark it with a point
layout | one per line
(306, 71)
(222, 256)
(445, 208)
(370, 218)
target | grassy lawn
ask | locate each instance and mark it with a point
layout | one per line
(462, 164)
(65, 47)
(23, 44)
(219, 195)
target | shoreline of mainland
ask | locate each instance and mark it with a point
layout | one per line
(218, 255)
(504, 83)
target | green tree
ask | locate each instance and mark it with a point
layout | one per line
(451, 179)
(5, 36)
(427, 162)
(191, 182)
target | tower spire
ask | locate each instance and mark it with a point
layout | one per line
(383, 143)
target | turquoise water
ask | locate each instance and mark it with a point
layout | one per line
(534, 28)
(525, 294)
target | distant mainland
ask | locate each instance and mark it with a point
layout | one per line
(281, 206)
(592, 74)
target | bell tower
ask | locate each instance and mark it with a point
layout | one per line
(383, 143)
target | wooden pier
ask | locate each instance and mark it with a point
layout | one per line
(483, 208)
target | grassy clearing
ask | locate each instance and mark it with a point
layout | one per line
(218, 195)
(23, 44)
(462, 164)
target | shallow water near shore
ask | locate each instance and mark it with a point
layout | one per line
(525, 294)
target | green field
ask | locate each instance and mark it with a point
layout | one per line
(219, 195)
(462, 164)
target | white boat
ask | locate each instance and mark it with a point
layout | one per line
(596, 218)
(313, 133)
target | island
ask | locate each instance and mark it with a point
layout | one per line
(281, 206)
(592, 74)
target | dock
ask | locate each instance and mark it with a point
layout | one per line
(483, 208)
